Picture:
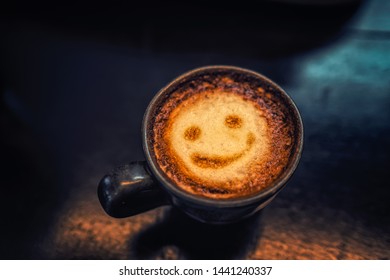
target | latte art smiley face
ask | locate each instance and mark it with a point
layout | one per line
(217, 136)
(222, 135)
(217, 161)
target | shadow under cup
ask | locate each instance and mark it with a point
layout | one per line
(141, 186)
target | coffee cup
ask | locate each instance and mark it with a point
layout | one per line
(220, 143)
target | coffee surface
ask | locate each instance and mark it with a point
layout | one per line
(222, 136)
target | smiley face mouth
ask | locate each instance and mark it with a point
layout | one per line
(217, 161)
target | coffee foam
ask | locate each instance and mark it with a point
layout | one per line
(230, 134)
(221, 138)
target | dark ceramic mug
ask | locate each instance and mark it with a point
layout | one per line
(141, 186)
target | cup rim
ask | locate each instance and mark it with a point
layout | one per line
(221, 203)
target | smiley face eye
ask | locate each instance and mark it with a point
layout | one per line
(233, 121)
(192, 133)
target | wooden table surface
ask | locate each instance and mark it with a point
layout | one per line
(72, 106)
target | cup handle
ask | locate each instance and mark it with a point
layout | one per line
(130, 190)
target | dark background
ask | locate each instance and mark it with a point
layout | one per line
(76, 77)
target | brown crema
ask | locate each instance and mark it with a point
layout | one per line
(251, 163)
